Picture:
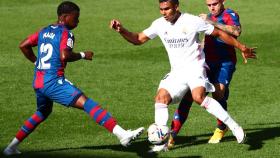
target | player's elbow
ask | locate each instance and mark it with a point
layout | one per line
(139, 41)
(63, 57)
(22, 45)
(238, 33)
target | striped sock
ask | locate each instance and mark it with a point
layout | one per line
(99, 115)
(30, 125)
(180, 115)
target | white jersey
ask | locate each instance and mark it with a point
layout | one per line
(181, 40)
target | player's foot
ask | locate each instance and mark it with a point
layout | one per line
(131, 135)
(170, 142)
(159, 148)
(239, 134)
(11, 151)
(217, 136)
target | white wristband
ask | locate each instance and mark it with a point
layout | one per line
(82, 55)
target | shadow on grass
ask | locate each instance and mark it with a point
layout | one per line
(255, 140)
(256, 137)
(141, 148)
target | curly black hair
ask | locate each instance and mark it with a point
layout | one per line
(67, 7)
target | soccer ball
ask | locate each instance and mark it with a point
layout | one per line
(158, 134)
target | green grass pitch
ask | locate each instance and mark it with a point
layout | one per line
(124, 79)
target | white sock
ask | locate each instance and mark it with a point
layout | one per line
(214, 108)
(119, 132)
(14, 143)
(161, 114)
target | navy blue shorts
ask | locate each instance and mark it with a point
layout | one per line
(60, 91)
(221, 72)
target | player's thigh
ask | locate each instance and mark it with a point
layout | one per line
(221, 73)
(44, 104)
(175, 87)
(200, 79)
(223, 76)
(64, 92)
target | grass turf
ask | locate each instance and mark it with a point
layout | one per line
(124, 79)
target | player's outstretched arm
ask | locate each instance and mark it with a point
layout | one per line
(70, 56)
(230, 29)
(26, 48)
(246, 51)
(132, 37)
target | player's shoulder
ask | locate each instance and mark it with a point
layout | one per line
(191, 17)
(159, 20)
(61, 28)
(229, 11)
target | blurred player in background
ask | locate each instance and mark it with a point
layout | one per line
(221, 59)
(179, 33)
(55, 43)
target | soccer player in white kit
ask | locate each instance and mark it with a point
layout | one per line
(179, 32)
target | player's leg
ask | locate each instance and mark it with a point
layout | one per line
(104, 118)
(44, 108)
(162, 100)
(74, 97)
(214, 108)
(221, 75)
(221, 96)
(179, 118)
(170, 90)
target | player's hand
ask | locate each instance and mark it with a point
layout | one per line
(88, 55)
(203, 16)
(248, 53)
(116, 25)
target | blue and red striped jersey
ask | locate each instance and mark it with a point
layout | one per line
(215, 49)
(51, 40)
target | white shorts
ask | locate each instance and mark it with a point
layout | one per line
(178, 83)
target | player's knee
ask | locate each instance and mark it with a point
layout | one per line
(198, 98)
(80, 102)
(219, 95)
(163, 98)
(45, 112)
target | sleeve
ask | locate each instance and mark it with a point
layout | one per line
(151, 31)
(67, 40)
(231, 18)
(33, 39)
(204, 27)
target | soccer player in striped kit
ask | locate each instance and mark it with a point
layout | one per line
(55, 48)
(221, 59)
(179, 33)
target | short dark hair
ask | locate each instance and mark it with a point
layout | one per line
(172, 1)
(67, 7)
